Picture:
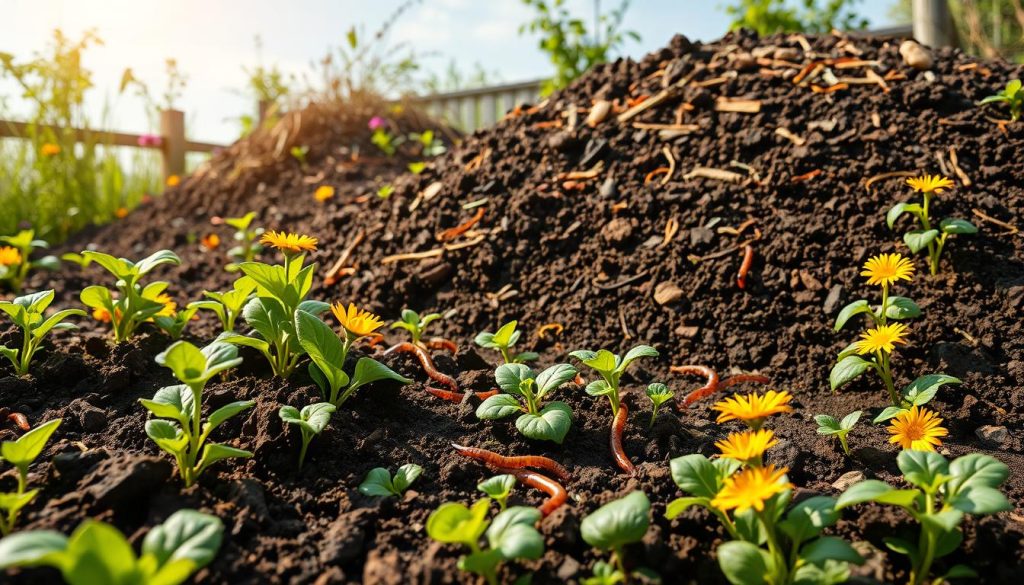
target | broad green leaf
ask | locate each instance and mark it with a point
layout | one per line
(976, 469)
(323, 346)
(902, 546)
(847, 370)
(173, 402)
(99, 553)
(923, 389)
(314, 307)
(680, 505)
(873, 490)
(602, 360)
(54, 321)
(899, 209)
(918, 240)
(957, 226)
(270, 280)
(503, 336)
(30, 548)
(850, 420)
(617, 523)
(12, 502)
(219, 357)
(599, 388)
(887, 413)
(156, 259)
(743, 563)
(317, 415)
(946, 521)
(513, 533)
(405, 475)
(829, 548)
(960, 572)
(498, 487)
(980, 499)
(827, 425)
(214, 452)
(227, 411)
(510, 377)
(167, 435)
(923, 469)
(453, 522)
(498, 406)
(97, 297)
(120, 268)
(850, 311)
(377, 484)
(808, 518)
(23, 451)
(634, 354)
(553, 377)
(244, 340)
(901, 308)
(185, 360)
(552, 424)
(481, 563)
(265, 316)
(186, 534)
(696, 475)
(370, 370)
(948, 542)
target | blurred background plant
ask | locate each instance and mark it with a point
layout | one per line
(269, 88)
(810, 16)
(988, 28)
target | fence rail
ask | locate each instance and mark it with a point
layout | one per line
(472, 109)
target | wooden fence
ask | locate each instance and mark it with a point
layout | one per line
(472, 109)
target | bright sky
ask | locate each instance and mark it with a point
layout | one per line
(213, 39)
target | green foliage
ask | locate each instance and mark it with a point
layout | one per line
(510, 536)
(942, 493)
(502, 340)
(311, 421)
(16, 258)
(498, 488)
(658, 394)
(97, 552)
(21, 453)
(917, 393)
(430, 146)
(228, 305)
(178, 428)
(831, 426)
(1012, 96)
(524, 392)
(247, 237)
(28, 313)
(928, 236)
(379, 483)
(415, 324)
(813, 16)
(134, 303)
(570, 46)
(611, 527)
(299, 153)
(385, 141)
(610, 367)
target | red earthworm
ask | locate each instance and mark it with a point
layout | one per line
(495, 460)
(375, 340)
(618, 427)
(748, 261)
(20, 420)
(427, 362)
(441, 343)
(708, 388)
(741, 378)
(557, 493)
(457, 397)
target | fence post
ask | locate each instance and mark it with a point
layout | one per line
(172, 130)
(933, 25)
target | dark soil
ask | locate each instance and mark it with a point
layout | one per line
(590, 260)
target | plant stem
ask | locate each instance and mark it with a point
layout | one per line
(926, 546)
(886, 374)
(617, 557)
(302, 452)
(773, 547)
(885, 302)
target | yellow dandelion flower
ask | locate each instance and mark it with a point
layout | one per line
(323, 193)
(747, 446)
(754, 407)
(929, 183)
(917, 428)
(170, 307)
(286, 242)
(750, 488)
(9, 256)
(50, 149)
(356, 321)
(886, 269)
(173, 181)
(882, 338)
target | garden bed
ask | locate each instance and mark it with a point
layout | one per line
(599, 257)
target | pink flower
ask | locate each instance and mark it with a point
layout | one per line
(377, 122)
(150, 140)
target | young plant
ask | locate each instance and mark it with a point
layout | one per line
(927, 237)
(430, 145)
(299, 153)
(830, 426)
(610, 528)
(502, 340)
(917, 393)
(415, 324)
(247, 237)
(524, 393)
(178, 428)
(610, 367)
(379, 483)
(134, 303)
(174, 324)
(942, 494)
(15, 258)
(99, 553)
(328, 352)
(498, 488)
(1012, 96)
(28, 313)
(510, 536)
(382, 137)
(228, 305)
(76, 258)
(658, 394)
(311, 420)
(21, 453)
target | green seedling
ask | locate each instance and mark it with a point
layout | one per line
(928, 236)
(502, 340)
(247, 236)
(917, 393)
(610, 367)
(178, 428)
(430, 145)
(831, 426)
(385, 191)
(498, 488)
(28, 313)
(385, 141)
(228, 305)
(379, 483)
(21, 453)
(1012, 96)
(16, 261)
(174, 325)
(524, 392)
(417, 167)
(415, 324)
(299, 153)
(510, 536)
(610, 528)
(311, 420)
(99, 553)
(942, 494)
(76, 259)
(134, 303)
(658, 394)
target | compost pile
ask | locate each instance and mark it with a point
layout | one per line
(611, 214)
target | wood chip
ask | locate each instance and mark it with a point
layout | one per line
(785, 133)
(716, 174)
(955, 163)
(432, 253)
(591, 173)
(741, 106)
(884, 176)
(667, 293)
(332, 274)
(671, 229)
(658, 97)
(1010, 228)
(671, 165)
(454, 232)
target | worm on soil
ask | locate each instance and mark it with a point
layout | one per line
(618, 427)
(457, 397)
(748, 261)
(20, 420)
(557, 493)
(427, 362)
(441, 343)
(495, 460)
(706, 389)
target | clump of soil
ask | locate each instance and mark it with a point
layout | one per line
(583, 227)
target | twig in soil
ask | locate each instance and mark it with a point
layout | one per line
(452, 233)
(748, 261)
(658, 97)
(615, 440)
(671, 164)
(19, 420)
(622, 323)
(432, 253)
(884, 176)
(671, 229)
(557, 494)
(1010, 228)
(740, 106)
(717, 174)
(830, 88)
(426, 361)
(332, 275)
(788, 135)
(592, 173)
(514, 462)
(955, 163)
(620, 283)
(477, 161)
(658, 171)
(806, 176)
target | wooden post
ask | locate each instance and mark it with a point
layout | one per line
(263, 107)
(172, 130)
(933, 25)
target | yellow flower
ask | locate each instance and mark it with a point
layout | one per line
(747, 446)
(9, 256)
(356, 321)
(917, 428)
(929, 183)
(100, 314)
(170, 307)
(323, 193)
(754, 407)
(882, 338)
(121, 213)
(886, 269)
(750, 488)
(210, 241)
(50, 149)
(289, 242)
(173, 181)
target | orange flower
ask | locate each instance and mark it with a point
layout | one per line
(210, 241)
(323, 193)
(173, 181)
(293, 243)
(50, 149)
(356, 321)
(9, 256)
(121, 213)
(101, 315)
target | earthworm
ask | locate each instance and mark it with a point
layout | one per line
(495, 460)
(618, 427)
(708, 388)
(452, 233)
(457, 397)
(441, 343)
(748, 261)
(741, 378)
(20, 420)
(557, 493)
(375, 340)
(427, 362)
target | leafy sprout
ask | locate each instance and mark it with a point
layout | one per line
(228, 305)
(831, 426)
(16, 261)
(917, 393)
(659, 394)
(502, 340)
(929, 235)
(311, 421)
(498, 488)
(415, 324)
(28, 313)
(380, 483)
(21, 453)
(524, 392)
(247, 236)
(611, 527)
(611, 368)
(1012, 96)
